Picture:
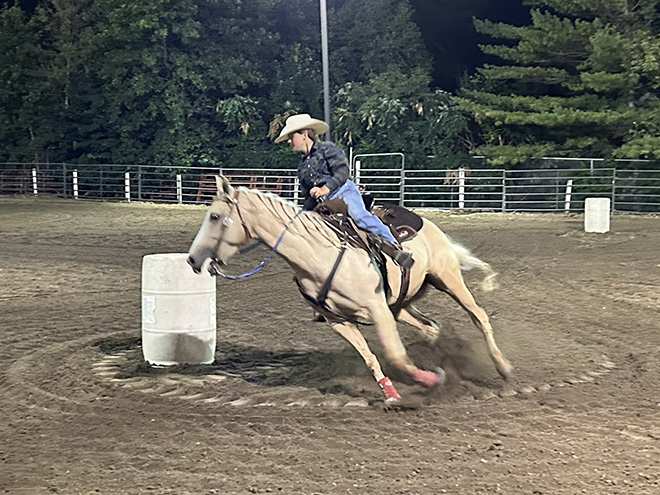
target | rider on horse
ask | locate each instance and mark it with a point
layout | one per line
(323, 173)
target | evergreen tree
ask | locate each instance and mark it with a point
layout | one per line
(574, 82)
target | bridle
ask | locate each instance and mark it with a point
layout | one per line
(228, 222)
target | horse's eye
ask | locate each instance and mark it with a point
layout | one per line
(214, 216)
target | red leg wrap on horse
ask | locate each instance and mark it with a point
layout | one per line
(426, 378)
(388, 389)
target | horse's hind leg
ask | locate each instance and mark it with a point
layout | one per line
(428, 328)
(452, 283)
(353, 335)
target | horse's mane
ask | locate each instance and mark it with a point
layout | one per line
(308, 224)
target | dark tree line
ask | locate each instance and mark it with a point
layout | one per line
(181, 82)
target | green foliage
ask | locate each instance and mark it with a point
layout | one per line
(180, 82)
(396, 112)
(21, 92)
(369, 37)
(580, 80)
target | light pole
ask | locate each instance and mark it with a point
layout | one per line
(326, 73)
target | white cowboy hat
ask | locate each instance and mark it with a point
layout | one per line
(300, 122)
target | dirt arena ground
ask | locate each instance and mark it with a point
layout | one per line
(288, 407)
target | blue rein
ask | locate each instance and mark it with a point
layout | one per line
(265, 261)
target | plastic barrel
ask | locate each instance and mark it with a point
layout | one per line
(597, 215)
(178, 311)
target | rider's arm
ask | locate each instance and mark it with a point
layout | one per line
(337, 166)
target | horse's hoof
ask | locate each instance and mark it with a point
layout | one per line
(430, 379)
(442, 376)
(391, 395)
(505, 371)
(318, 317)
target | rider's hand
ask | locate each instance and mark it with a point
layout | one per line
(317, 192)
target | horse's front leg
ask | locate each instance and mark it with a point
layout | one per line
(353, 335)
(396, 352)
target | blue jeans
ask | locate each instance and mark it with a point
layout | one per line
(356, 210)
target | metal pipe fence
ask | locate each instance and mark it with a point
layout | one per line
(484, 189)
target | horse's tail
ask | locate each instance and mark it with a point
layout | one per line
(468, 261)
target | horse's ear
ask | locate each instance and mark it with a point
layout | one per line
(224, 186)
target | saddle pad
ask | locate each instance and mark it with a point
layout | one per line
(402, 221)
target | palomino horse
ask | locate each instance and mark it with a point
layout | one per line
(357, 291)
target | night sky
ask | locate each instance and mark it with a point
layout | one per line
(449, 34)
(446, 27)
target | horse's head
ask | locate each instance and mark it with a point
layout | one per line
(222, 233)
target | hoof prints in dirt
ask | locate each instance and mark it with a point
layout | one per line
(200, 387)
(206, 383)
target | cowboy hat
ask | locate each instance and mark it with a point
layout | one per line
(298, 123)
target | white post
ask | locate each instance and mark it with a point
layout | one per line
(569, 190)
(34, 181)
(461, 188)
(296, 185)
(75, 184)
(357, 172)
(127, 186)
(350, 158)
(179, 189)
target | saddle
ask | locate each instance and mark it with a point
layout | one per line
(403, 223)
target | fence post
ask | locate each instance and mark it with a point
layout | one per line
(34, 181)
(504, 191)
(127, 186)
(350, 159)
(461, 188)
(179, 189)
(64, 180)
(402, 184)
(75, 184)
(357, 172)
(139, 172)
(296, 185)
(613, 189)
(569, 190)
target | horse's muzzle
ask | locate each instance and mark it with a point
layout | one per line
(193, 264)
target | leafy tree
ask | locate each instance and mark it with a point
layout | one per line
(181, 82)
(380, 81)
(579, 82)
(398, 112)
(69, 44)
(22, 134)
(385, 102)
(369, 37)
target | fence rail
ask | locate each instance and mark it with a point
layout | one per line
(541, 190)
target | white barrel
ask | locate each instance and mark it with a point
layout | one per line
(178, 311)
(597, 215)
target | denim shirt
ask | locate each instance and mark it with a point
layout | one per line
(326, 165)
